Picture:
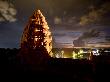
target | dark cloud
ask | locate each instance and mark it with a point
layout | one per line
(61, 15)
(7, 11)
(95, 14)
(78, 43)
(90, 34)
(57, 20)
(86, 35)
(107, 38)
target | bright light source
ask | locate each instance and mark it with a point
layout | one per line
(37, 30)
(74, 55)
(95, 52)
(57, 56)
(36, 39)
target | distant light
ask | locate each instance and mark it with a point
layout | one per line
(81, 51)
(37, 30)
(106, 51)
(57, 56)
(65, 57)
(42, 43)
(74, 55)
(36, 39)
(95, 52)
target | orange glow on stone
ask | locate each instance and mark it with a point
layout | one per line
(37, 34)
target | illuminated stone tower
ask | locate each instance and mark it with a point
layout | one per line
(36, 34)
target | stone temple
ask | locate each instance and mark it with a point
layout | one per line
(36, 34)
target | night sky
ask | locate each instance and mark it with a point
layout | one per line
(71, 21)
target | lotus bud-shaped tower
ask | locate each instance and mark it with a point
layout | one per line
(36, 34)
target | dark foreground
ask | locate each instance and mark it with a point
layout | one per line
(53, 69)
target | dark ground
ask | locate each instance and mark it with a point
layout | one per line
(53, 69)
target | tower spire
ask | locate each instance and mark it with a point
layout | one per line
(37, 34)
